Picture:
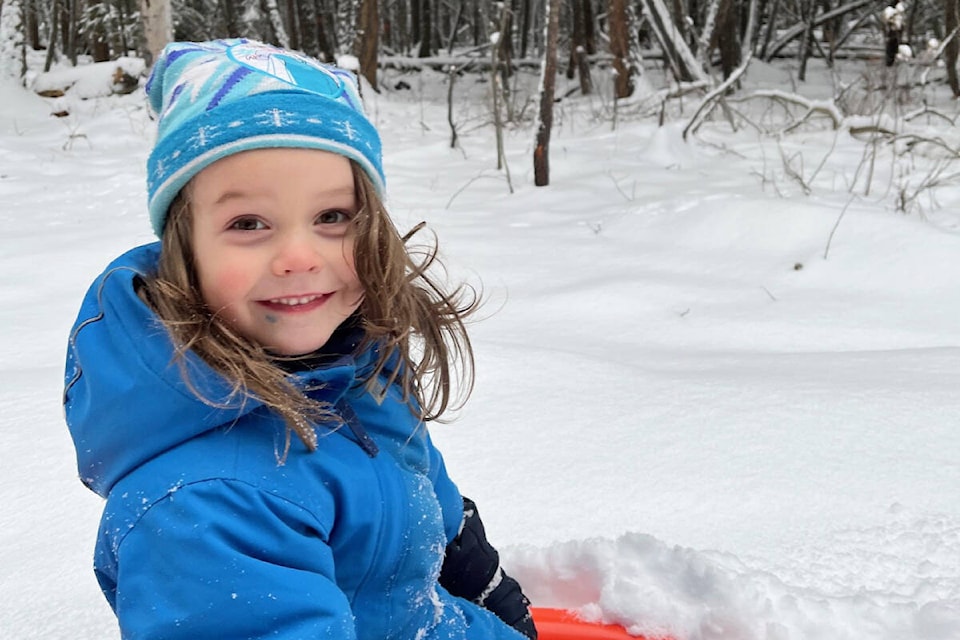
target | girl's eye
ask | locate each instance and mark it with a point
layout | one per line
(333, 217)
(247, 224)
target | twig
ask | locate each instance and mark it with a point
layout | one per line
(791, 172)
(836, 224)
(710, 100)
(467, 184)
(825, 107)
(617, 186)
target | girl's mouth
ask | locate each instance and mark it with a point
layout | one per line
(294, 304)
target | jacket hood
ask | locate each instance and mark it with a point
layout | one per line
(125, 398)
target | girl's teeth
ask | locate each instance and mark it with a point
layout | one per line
(294, 301)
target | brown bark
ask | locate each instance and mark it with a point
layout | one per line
(324, 43)
(368, 42)
(541, 150)
(951, 17)
(32, 24)
(728, 36)
(97, 38)
(426, 28)
(524, 27)
(589, 28)
(293, 28)
(620, 48)
(579, 47)
(806, 43)
(576, 36)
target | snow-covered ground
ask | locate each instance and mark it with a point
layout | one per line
(704, 407)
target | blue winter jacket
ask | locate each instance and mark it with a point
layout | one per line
(205, 534)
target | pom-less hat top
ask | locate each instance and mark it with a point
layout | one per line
(215, 99)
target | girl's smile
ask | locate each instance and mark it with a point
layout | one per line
(297, 304)
(273, 239)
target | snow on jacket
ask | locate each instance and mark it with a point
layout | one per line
(206, 535)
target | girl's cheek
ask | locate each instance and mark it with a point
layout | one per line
(224, 287)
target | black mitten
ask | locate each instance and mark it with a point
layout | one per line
(471, 570)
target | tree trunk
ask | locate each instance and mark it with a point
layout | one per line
(806, 43)
(589, 28)
(426, 29)
(157, 27)
(680, 15)
(728, 36)
(280, 36)
(576, 36)
(415, 20)
(325, 43)
(548, 81)
(368, 43)
(505, 43)
(96, 32)
(69, 24)
(682, 62)
(52, 40)
(581, 45)
(769, 27)
(951, 19)
(32, 26)
(619, 26)
(13, 46)
(229, 12)
(524, 27)
(293, 29)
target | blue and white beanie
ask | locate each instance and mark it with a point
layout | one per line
(215, 99)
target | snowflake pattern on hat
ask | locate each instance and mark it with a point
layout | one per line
(215, 99)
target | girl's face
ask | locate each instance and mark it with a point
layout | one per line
(273, 241)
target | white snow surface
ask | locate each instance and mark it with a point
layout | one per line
(703, 407)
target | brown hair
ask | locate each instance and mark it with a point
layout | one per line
(418, 326)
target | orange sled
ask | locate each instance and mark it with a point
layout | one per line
(558, 624)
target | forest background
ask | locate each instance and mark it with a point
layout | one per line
(703, 47)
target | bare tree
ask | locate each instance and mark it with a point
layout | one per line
(12, 43)
(426, 28)
(548, 81)
(682, 62)
(578, 46)
(31, 24)
(292, 23)
(228, 10)
(368, 42)
(619, 27)
(525, 10)
(325, 31)
(157, 20)
(276, 23)
(809, 8)
(951, 18)
(728, 36)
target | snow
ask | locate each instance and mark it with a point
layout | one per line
(90, 80)
(687, 419)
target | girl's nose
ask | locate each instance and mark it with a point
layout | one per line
(296, 255)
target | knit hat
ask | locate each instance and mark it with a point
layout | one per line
(215, 99)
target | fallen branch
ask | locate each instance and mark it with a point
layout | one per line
(825, 107)
(712, 98)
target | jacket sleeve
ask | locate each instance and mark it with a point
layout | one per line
(447, 493)
(471, 570)
(223, 559)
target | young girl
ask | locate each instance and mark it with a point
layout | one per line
(249, 394)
